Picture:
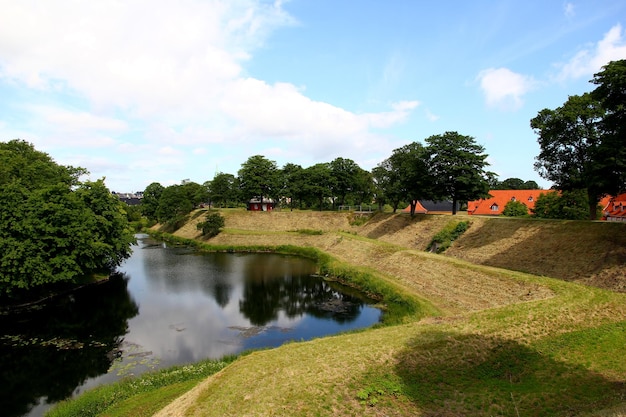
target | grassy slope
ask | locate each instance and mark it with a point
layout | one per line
(504, 343)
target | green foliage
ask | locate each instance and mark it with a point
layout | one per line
(515, 184)
(515, 209)
(223, 190)
(174, 204)
(97, 401)
(211, 225)
(567, 205)
(150, 201)
(259, 177)
(53, 228)
(442, 240)
(457, 164)
(379, 389)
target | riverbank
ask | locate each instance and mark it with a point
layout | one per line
(499, 342)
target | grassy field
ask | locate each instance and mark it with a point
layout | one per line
(519, 318)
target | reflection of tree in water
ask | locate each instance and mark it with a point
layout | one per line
(48, 352)
(272, 287)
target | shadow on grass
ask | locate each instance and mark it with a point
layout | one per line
(480, 376)
(391, 223)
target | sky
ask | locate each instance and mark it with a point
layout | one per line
(143, 91)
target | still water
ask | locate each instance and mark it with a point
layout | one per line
(167, 306)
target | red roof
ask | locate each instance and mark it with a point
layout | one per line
(495, 205)
(615, 209)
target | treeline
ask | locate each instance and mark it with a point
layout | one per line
(450, 166)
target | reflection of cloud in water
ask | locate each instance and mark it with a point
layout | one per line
(194, 307)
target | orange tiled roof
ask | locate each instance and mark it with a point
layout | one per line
(495, 205)
(616, 208)
(419, 209)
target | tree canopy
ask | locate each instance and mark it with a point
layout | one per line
(53, 227)
(583, 142)
(457, 164)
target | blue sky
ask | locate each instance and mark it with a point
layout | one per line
(140, 91)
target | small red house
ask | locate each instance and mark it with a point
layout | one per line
(261, 204)
(615, 209)
(494, 205)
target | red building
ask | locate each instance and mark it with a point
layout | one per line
(261, 204)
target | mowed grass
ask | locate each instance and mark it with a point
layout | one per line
(485, 341)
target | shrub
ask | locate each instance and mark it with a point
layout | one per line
(211, 225)
(442, 240)
(515, 209)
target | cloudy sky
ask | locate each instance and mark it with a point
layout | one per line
(139, 91)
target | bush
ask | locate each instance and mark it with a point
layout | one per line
(515, 209)
(442, 240)
(211, 225)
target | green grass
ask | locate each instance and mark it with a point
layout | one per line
(559, 355)
(139, 396)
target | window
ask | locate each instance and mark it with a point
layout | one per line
(530, 198)
(513, 199)
(495, 207)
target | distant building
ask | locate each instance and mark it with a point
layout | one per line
(259, 204)
(132, 199)
(432, 207)
(494, 205)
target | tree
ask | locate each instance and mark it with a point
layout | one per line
(515, 209)
(259, 177)
(414, 176)
(388, 187)
(319, 183)
(53, 228)
(196, 193)
(515, 184)
(211, 225)
(223, 189)
(345, 173)
(457, 164)
(174, 204)
(150, 200)
(567, 205)
(611, 93)
(292, 184)
(571, 140)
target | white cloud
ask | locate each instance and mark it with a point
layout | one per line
(591, 59)
(504, 88)
(569, 9)
(164, 80)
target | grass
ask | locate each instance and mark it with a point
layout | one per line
(487, 341)
(140, 396)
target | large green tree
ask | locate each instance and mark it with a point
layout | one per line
(346, 176)
(150, 200)
(319, 183)
(457, 164)
(223, 189)
(570, 139)
(387, 184)
(259, 177)
(414, 175)
(174, 204)
(611, 156)
(53, 227)
(292, 183)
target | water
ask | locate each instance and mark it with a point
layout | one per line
(167, 306)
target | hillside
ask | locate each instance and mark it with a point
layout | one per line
(495, 341)
(593, 253)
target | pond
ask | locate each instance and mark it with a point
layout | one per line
(167, 306)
